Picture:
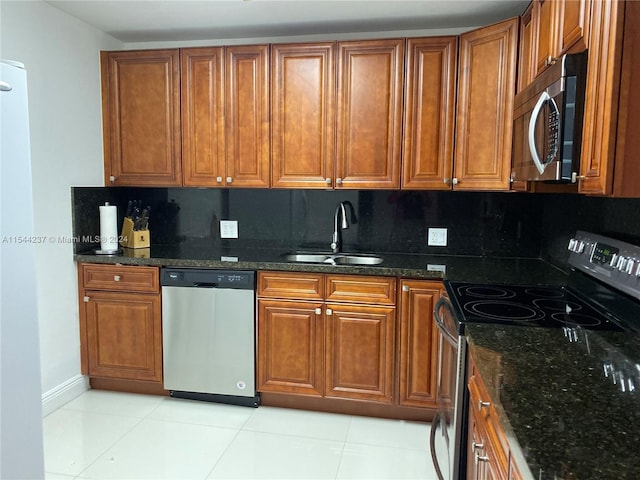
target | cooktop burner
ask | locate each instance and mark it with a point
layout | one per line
(544, 306)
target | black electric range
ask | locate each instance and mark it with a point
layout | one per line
(528, 305)
(602, 292)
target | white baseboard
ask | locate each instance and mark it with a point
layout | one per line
(63, 393)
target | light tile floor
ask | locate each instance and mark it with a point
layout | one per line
(110, 435)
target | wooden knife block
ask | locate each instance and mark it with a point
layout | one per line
(131, 238)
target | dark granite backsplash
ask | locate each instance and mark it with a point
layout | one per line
(478, 223)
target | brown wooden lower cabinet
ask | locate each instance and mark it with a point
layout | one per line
(359, 352)
(290, 346)
(120, 324)
(488, 451)
(324, 340)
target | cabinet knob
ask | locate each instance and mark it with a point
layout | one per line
(329, 311)
(229, 179)
(338, 181)
(481, 458)
(318, 311)
(327, 181)
(86, 299)
(116, 278)
(219, 179)
(447, 181)
(455, 181)
(405, 288)
(477, 446)
(112, 178)
(483, 404)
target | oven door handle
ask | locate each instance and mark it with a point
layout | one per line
(450, 337)
(432, 445)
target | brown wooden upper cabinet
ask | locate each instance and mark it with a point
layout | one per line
(225, 116)
(549, 29)
(429, 113)
(193, 117)
(369, 114)
(141, 117)
(486, 89)
(610, 143)
(303, 86)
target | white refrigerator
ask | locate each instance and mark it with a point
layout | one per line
(21, 445)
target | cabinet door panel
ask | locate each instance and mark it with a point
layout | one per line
(369, 124)
(141, 117)
(359, 352)
(418, 343)
(247, 115)
(485, 107)
(290, 347)
(303, 115)
(429, 113)
(202, 116)
(528, 47)
(547, 28)
(574, 15)
(124, 335)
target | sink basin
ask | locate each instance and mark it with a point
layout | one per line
(308, 257)
(357, 260)
(333, 258)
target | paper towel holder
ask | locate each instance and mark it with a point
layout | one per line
(101, 251)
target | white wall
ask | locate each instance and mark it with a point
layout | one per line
(61, 56)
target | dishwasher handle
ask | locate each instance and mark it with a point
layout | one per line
(206, 285)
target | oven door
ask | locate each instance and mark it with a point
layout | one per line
(447, 435)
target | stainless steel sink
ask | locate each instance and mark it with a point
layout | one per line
(358, 260)
(333, 258)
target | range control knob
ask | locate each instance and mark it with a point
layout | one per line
(580, 247)
(614, 260)
(630, 264)
(621, 263)
(572, 244)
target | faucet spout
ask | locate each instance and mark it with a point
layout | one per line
(338, 226)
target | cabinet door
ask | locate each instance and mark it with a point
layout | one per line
(369, 123)
(602, 94)
(574, 25)
(303, 115)
(290, 347)
(547, 26)
(486, 87)
(359, 352)
(124, 335)
(427, 157)
(247, 116)
(528, 47)
(202, 93)
(418, 343)
(141, 117)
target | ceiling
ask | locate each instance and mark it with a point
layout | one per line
(186, 20)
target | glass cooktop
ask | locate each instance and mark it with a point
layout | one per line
(542, 306)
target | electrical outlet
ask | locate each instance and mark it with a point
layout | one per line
(228, 229)
(437, 237)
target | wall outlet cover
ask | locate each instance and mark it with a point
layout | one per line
(437, 237)
(228, 229)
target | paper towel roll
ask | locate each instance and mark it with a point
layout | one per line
(108, 228)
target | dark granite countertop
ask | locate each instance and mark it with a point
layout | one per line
(564, 418)
(437, 267)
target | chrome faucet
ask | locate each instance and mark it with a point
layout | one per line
(336, 244)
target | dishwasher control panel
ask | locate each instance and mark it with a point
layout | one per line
(207, 278)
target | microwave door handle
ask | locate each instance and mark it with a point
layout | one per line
(532, 131)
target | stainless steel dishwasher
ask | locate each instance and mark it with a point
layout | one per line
(208, 335)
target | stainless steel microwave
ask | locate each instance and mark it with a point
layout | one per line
(547, 125)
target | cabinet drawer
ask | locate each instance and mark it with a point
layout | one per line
(121, 278)
(290, 285)
(488, 420)
(361, 289)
